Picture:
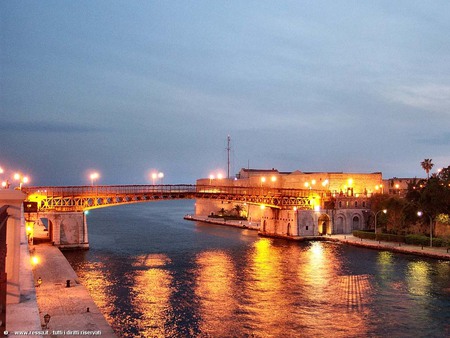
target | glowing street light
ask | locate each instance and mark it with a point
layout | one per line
(35, 260)
(20, 178)
(93, 177)
(161, 176)
(263, 180)
(420, 214)
(376, 214)
(154, 177)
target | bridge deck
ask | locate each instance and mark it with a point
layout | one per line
(79, 198)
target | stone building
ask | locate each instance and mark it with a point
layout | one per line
(339, 202)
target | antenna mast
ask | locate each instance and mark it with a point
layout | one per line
(228, 155)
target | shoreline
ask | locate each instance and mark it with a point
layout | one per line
(431, 252)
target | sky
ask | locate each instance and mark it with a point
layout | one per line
(130, 87)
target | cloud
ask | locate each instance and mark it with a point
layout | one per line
(430, 97)
(437, 140)
(47, 127)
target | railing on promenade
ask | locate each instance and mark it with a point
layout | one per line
(3, 220)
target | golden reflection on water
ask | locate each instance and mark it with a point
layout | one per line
(214, 289)
(152, 293)
(267, 301)
(332, 297)
(99, 288)
(418, 278)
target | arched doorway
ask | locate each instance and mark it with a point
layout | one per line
(264, 226)
(324, 225)
(340, 225)
(356, 222)
(288, 229)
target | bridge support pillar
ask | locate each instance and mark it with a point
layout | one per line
(279, 223)
(68, 230)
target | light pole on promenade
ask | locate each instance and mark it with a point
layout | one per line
(420, 214)
(376, 214)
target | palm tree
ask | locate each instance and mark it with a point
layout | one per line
(427, 165)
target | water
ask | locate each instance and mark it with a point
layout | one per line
(154, 274)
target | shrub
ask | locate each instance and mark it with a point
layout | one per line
(417, 240)
(363, 234)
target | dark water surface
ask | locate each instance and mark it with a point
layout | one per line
(154, 274)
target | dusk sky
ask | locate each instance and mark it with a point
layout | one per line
(125, 87)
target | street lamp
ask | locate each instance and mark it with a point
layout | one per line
(161, 176)
(420, 214)
(154, 177)
(376, 214)
(20, 178)
(93, 177)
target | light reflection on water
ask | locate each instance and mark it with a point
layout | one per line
(161, 276)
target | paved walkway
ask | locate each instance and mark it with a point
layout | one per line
(435, 252)
(72, 310)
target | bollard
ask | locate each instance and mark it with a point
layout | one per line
(68, 283)
(87, 310)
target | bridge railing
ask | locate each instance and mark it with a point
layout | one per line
(108, 190)
(99, 190)
(254, 190)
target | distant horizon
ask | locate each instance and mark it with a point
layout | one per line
(233, 176)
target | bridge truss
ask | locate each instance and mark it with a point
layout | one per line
(81, 198)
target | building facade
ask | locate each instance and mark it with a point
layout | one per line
(339, 202)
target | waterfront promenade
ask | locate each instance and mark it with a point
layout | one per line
(72, 310)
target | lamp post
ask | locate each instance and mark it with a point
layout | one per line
(161, 176)
(376, 214)
(93, 177)
(46, 320)
(154, 177)
(263, 180)
(420, 214)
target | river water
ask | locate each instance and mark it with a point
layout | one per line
(153, 274)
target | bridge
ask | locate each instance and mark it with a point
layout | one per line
(64, 206)
(81, 198)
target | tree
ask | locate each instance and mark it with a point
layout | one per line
(427, 165)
